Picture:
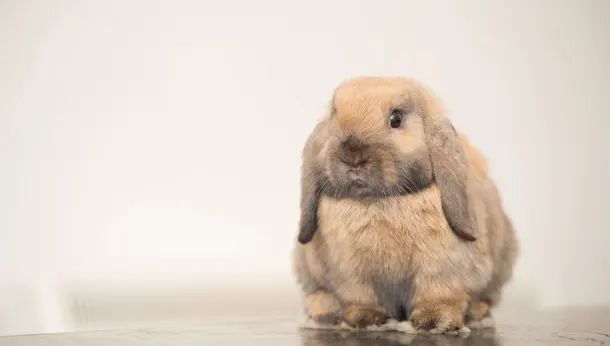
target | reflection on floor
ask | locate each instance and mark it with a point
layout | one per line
(565, 327)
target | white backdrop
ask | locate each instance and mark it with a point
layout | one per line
(157, 142)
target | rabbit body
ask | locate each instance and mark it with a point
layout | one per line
(396, 253)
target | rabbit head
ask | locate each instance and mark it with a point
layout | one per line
(385, 137)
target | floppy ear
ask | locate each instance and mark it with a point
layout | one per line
(310, 196)
(310, 185)
(450, 169)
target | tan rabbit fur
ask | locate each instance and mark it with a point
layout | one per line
(399, 218)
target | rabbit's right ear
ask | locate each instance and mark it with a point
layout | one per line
(310, 196)
(310, 182)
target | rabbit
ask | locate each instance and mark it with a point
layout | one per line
(399, 219)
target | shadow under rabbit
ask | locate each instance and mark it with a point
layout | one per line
(327, 337)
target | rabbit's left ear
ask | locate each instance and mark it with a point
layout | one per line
(450, 169)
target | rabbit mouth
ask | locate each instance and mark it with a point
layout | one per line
(355, 178)
(358, 188)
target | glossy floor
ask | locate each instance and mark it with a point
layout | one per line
(566, 327)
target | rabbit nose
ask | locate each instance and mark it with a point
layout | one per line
(353, 152)
(354, 160)
(352, 144)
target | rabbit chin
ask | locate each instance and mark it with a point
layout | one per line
(360, 190)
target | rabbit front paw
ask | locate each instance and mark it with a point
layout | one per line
(437, 318)
(361, 317)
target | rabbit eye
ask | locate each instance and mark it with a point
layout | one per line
(396, 119)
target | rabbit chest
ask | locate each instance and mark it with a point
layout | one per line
(385, 239)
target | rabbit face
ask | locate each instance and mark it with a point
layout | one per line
(375, 145)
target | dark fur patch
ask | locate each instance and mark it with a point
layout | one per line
(309, 217)
(394, 297)
(415, 176)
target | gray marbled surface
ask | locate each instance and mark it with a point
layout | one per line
(562, 327)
